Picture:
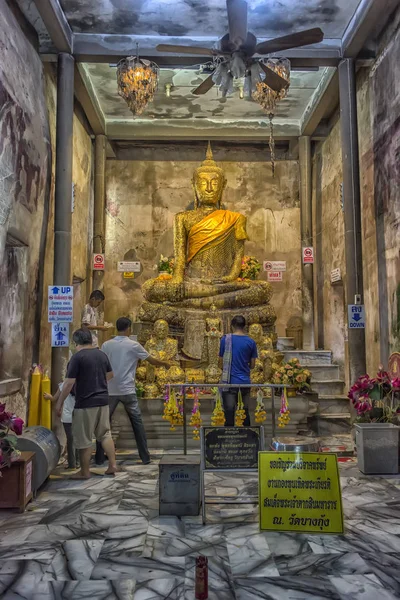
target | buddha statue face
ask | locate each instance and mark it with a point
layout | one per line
(161, 329)
(208, 188)
(208, 182)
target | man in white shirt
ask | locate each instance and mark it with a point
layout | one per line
(124, 355)
(90, 316)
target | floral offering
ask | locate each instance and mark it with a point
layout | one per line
(165, 265)
(240, 413)
(8, 441)
(250, 268)
(173, 410)
(293, 375)
(195, 419)
(376, 399)
(284, 413)
(218, 415)
(260, 413)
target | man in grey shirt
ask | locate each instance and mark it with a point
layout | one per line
(124, 355)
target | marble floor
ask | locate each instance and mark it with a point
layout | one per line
(103, 539)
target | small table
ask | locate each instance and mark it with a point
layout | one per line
(16, 482)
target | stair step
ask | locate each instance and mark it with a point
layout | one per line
(285, 343)
(310, 357)
(324, 372)
(333, 404)
(328, 387)
(328, 415)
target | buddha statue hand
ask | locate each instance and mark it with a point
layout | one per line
(170, 290)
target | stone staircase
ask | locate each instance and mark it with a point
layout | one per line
(332, 411)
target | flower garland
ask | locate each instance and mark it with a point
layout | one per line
(260, 413)
(240, 414)
(195, 419)
(292, 374)
(172, 409)
(218, 415)
(284, 413)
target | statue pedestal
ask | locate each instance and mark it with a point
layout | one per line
(159, 434)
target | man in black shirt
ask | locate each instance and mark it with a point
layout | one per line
(89, 370)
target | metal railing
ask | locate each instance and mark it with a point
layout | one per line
(200, 386)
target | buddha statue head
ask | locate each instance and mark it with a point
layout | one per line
(208, 182)
(160, 329)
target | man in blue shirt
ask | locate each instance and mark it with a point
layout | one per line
(238, 353)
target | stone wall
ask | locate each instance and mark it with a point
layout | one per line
(143, 196)
(25, 159)
(378, 104)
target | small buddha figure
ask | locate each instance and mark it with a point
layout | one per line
(163, 347)
(209, 247)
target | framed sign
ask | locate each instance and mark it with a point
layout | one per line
(231, 447)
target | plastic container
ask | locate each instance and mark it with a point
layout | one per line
(377, 448)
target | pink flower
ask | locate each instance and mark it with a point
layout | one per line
(396, 384)
(16, 425)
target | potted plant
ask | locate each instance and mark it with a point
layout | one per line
(8, 441)
(294, 375)
(377, 403)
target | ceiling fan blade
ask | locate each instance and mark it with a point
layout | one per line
(237, 19)
(295, 40)
(186, 50)
(273, 80)
(205, 86)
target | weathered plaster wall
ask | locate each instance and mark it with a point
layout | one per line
(378, 104)
(144, 196)
(82, 218)
(25, 158)
(329, 244)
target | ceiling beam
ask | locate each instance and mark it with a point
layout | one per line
(369, 18)
(56, 24)
(200, 129)
(322, 103)
(111, 48)
(86, 97)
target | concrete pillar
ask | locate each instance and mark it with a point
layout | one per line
(306, 240)
(352, 209)
(99, 204)
(63, 193)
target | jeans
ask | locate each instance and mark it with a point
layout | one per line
(230, 399)
(73, 455)
(131, 406)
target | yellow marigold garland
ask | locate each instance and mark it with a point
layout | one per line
(195, 419)
(240, 413)
(260, 413)
(172, 409)
(218, 415)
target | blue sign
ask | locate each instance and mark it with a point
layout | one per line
(60, 335)
(356, 316)
(60, 303)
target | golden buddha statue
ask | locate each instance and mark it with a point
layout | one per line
(209, 248)
(165, 348)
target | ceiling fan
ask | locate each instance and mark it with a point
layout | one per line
(235, 56)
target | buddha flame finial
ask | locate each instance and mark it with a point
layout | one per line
(209, 154)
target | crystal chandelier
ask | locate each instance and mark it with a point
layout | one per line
(137, 82)
(267, 98)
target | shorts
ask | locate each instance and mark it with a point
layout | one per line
(89, 423)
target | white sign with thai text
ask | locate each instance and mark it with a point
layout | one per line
(126, 266)
(60, 304)
(274, 276)
(275, 265)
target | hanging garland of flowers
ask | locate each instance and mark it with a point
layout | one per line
(173, 410)
(218, 415)
(260, 413)
(284, 413)
(240, 414)
(195, 419)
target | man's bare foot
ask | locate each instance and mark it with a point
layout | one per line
(80, 475)
(111, 471)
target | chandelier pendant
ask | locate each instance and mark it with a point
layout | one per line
(137, 80)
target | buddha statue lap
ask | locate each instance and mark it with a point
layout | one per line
(209, 247)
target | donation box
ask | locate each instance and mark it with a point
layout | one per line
(179, 485)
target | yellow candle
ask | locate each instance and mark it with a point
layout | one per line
(34, 401)
(45, 406)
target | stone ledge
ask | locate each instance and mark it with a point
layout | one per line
(10, 386)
